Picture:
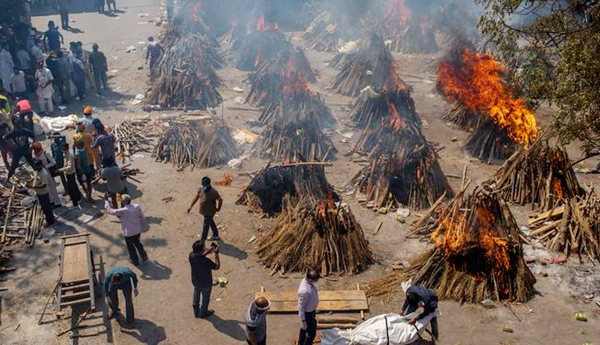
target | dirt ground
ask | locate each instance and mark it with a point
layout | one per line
(163, 307)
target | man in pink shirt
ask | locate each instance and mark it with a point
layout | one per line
(308, 300)
(132, 218)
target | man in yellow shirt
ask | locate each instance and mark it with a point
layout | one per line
(87, 140)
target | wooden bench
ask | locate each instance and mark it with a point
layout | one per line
(76, 285)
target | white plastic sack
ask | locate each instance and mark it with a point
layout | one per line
(350, 47)
(373, 331)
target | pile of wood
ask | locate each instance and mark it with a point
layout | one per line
(295, 125)
(267, 82)
(185, 77)
(541, 175)
(462, 117)
(132, 136)
(272, 185)
(490, 143)
(261, 44)
(572, 229)
(409, 177)
(21, 217)
(323, 33)
(323, 235)
(372, 65)
(200, 144)
(478, 254)
(5, 256)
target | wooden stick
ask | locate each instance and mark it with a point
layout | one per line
(76, 323)
(7, 215)
(48, 301)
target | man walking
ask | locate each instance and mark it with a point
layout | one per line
(308, 300)
(124, 279)
(99, 67)
(210, 204)
(416, 295)
(105, 141)
(202, 268)
(114, 179)
(69, 170)
(256, 321)
(63, 9)
(53, 38)
(153, 52)
(40, 185)
(45, 89)
(132, 219)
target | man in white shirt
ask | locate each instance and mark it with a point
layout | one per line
(132, 219)
(45, 89)
(18, 87)
(40, 185)
(308, 300)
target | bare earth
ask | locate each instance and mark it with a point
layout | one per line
(163, 308)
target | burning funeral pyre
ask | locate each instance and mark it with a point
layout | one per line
(404, 167)
(323, 34)
(541, 176)
(295, 124)
(312, 235)
(201, 144)
(372, 65)
(406, 32)
(474, 83)
(272, 185)
(185, 75)
(478, 253)
(571, 229)
(267, 82)
(261, 43)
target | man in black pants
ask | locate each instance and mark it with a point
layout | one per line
(63, 9)
(132, 219)
(20, 137)
(40, 185)
(202, 268)
(308, 300)
(416, 295)
(210, 204)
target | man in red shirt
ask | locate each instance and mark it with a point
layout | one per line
(25, 112)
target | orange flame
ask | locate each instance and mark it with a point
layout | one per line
(453, 236)
(397, 16)
(395, 119)
(478, 85)
(262, 25)
(296, 84)
(557, 188)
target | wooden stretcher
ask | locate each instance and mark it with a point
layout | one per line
(334, 301)
(77, 271)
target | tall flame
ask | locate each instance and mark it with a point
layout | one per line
(397, 16)
(262, 25)
(477, 84)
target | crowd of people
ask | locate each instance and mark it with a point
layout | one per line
(34, 63)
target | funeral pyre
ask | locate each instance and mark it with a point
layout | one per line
(404, 167)
(196, 143)
(185, 76)
(541, 175)
(270, 186)
(261, 43)
(477, 253)
(267, 82)
(406, 31)
(295, 125)
(474, 83)
(315, 235)
(372, 65)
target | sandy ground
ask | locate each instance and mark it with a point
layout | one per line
(163, 308)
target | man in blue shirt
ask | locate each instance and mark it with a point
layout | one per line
(417, 295)
(124, 279)
(53, 38)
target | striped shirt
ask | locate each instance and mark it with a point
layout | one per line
(106, 142)
(256, 323)
(127, 275)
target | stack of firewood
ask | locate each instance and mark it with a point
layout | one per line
(323, 235)
(200, 144)
(478, 254)
(132, 136)
(295, 125)
(541, 176)
(185, 76)
(267, 82)
(572, 229)
(271, 185)
(323, 33)
(373, 65)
